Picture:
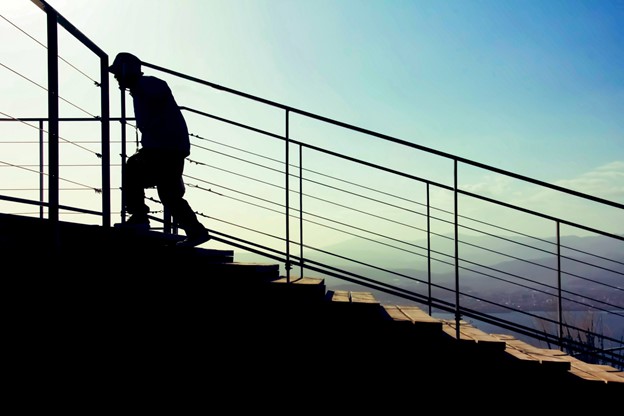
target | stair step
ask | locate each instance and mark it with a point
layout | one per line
(470, 335)
(304, 289)
(595, 372)
(414, 317)
(353, 306)
(248, 273)
(346, 296)
(547, 358)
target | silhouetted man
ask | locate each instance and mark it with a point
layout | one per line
(164, 147)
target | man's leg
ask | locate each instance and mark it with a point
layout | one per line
(134, 188)
(171, 192)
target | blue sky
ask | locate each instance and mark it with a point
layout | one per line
(533, 87)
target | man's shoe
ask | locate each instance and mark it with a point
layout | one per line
(135, 222)
(194, 239)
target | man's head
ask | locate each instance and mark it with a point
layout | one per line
(126, 68)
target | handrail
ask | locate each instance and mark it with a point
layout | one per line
(459, 310)
(389, 138)
(54, 19)
(440, 185)
(309, 265)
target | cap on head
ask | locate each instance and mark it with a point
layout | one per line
(126, 61)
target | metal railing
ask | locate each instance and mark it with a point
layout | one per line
(364, 209)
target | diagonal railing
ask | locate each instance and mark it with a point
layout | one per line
(360, 208)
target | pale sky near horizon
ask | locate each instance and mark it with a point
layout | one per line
(534, 87)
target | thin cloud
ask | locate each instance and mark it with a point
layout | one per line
(605, 181)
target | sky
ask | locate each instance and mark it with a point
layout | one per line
(533, 87)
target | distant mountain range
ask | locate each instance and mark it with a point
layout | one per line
(491, 266)
(484, 249)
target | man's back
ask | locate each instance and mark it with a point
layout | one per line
(158, 116)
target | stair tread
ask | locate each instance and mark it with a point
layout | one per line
(412, 315)
(469, 332)
(301, 281)
(346, 296)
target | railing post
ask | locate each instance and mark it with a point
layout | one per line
(455, 222)
(301, 211)
(559, 304)
(41, 171)
(53, 127)
(53, 119)
(428, 250)
(287, 173)
(105, 131)
(123, 151)
(168, 222)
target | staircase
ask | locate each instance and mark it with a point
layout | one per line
(108, 302)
